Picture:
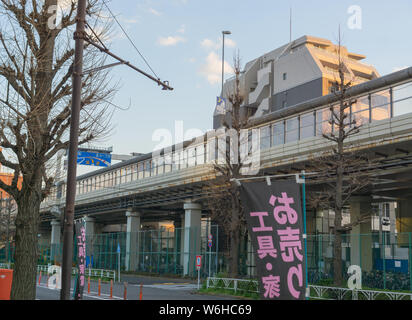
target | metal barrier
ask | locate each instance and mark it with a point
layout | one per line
(100, 273)
(335, 293)
(233, 284)
(316, 292)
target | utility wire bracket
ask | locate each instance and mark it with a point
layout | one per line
(102, 67)
(164, 84)
(300, 180)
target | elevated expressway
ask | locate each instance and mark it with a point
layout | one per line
(162, 197)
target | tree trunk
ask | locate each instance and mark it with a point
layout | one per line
(337, 255)
(234, 253)
(25, 256)
(234, 236)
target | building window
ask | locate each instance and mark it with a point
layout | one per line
(278, 133)
(200, 154)
(265, 138)
(307, 125)
(285, 76)
(323, 122)
(147, 169)
(292, 130)
(168, 162)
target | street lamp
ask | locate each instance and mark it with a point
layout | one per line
(223, 56)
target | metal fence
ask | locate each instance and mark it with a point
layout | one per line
(385, 259)
(150, 251)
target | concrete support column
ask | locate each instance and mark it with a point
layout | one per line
(193, 214)
(55, 241)
(132, 240)
(361, 234)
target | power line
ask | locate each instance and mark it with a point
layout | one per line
(131, 41)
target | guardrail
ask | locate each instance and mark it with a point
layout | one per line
(316, 292)
(335, 293)
(233, 284)
(88, 272)
(5, 265)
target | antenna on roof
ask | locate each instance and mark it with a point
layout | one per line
(290, 26)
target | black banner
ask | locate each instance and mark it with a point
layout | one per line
(80, 242)
(275, 224)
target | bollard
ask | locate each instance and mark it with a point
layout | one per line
(111, 289)
(141, 292)
(99, 288)
(125, 291)
(40, 277)
(88, 285)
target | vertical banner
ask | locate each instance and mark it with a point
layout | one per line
(275, 224)
(80, 241)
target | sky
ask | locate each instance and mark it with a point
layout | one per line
(181, 40)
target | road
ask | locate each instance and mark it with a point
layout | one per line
(153, 289)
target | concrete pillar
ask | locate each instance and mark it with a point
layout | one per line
(361, 246)
(132, 240)
(55, 241)
(193, 214)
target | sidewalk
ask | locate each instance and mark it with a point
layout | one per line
(153, 279)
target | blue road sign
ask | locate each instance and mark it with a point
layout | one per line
(118, 248)
(94, 159)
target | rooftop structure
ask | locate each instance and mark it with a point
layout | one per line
(299, 71)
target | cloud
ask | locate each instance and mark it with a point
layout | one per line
(170, 41)
(212, 70)
(182, 29)
(209, 44)
(230, 43)
(215, 45)
(65, 4)
(155, 12)
(192, 60)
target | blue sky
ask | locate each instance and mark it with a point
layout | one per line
(181, 39)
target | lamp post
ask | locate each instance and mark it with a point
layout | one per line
(223, 56)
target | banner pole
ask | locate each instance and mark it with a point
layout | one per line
(304, 231)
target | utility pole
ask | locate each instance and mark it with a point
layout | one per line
(223, 56)
(79, 36)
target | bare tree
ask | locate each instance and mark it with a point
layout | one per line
(224, 195)
(36, 57)
(341, 169)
